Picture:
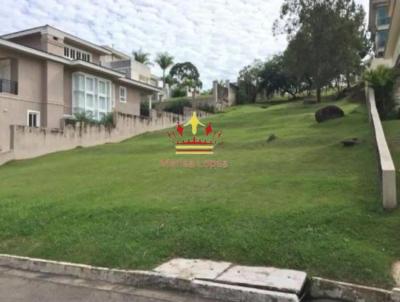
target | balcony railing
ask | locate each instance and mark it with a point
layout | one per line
(8, 86)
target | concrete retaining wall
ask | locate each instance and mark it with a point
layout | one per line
(29, 142)
(6, 157)
(386, 166)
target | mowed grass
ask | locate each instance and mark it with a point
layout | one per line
(300, 202)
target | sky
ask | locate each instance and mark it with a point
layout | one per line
(218, 36)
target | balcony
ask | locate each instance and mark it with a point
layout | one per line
(8, 86)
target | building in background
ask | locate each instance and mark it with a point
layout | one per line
(384, 25)
(47, 76)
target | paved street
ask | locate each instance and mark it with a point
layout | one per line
(23, 286)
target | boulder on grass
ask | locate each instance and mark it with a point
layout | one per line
(328, 113)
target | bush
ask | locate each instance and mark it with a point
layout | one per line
(177, 106)
(108, 120)
(178, 93)
(206, 108)
(144, 108)
(85, 119)
(382, 79)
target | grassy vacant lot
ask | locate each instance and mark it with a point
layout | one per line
(302, 201)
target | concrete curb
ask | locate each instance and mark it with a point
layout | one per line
(143, 279)
(319, 288)
(329, 289)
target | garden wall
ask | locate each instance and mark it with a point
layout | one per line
(386, 166)
(29, 142)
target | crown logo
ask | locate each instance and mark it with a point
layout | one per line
(201, 140)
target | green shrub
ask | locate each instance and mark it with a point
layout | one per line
(83, 118)
(178, 93)
(177, 106)
(108, 120)
(382, 80)
(144, 108)
(206, 108)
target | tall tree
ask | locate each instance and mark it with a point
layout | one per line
(325, 35)
(249, 82)
(141, 57)
(277, 78)
(186, 75)
(164, 60)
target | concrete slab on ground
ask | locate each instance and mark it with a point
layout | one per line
(193, 268)
(280, 280)
(271, 278)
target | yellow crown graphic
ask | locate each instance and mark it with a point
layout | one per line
(196, 143)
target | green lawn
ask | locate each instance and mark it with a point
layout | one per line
(301, 202)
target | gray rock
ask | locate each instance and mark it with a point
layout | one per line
(328, 113)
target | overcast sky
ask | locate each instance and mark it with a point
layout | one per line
(218, 36)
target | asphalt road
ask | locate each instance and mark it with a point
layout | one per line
(24, 286)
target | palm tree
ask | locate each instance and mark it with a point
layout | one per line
(164, 60)
(141, 57)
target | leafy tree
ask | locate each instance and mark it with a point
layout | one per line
(354, 43)
(164, 60)
(178, 92)
(141, 57)
(272, 76)
(249, 82)
(186, 75)
(277, 78)
(325, 38)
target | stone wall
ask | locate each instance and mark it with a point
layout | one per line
(6, 157)
(28, 142)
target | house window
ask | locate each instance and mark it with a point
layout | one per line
(381, 37)
(8, 75)
(382, 16)
(91, 95)
(76, 54)
(122, 94)
(5, 69)
(33, 118)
